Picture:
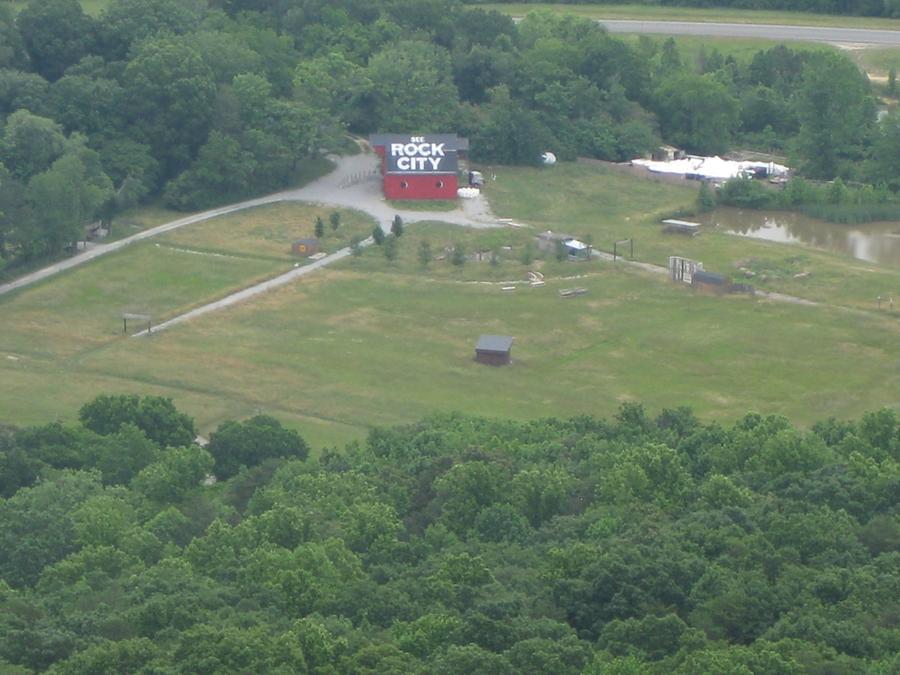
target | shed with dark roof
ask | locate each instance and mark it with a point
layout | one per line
(494, 350)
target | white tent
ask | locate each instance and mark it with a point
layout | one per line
(712, 168)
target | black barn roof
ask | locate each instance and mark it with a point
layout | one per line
(451, 141)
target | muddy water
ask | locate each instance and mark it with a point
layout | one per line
(875, 242)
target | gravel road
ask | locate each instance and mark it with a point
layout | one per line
(353, 183)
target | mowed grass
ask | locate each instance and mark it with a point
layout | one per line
(82, 309)
(570, 197)
(424, 204)
(268, 231)
(610, 206)
(507, 243)
(92, 7)
(162, 277)
(373, 342)
(347, 349)
(704, 14)
(140, 218)
(48, 329)
(692, 49)
(879, 61)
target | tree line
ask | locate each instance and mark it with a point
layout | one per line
(638, 544)
(199, 103)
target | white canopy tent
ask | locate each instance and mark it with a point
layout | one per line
(711, 168)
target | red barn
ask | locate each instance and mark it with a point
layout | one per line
(419, 167)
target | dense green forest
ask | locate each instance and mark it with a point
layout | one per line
(456, 545)
(887, 8)
(202, 103)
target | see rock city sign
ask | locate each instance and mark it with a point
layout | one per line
(419, 167)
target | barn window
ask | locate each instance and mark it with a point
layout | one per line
(440, 184)
(404, 184)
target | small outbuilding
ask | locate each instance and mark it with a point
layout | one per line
(681, 227)
(667, 153)
(494, 350)
(305, 247)
(577, 250)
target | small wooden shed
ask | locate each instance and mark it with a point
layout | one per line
(305, 247)
(667, 153)
(494, 350)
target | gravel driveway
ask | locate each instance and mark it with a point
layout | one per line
(354, 183)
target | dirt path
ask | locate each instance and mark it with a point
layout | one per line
(768, 295)
(251, 291)
(354, 184)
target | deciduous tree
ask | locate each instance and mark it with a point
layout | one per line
(57, 34)
(236, 444)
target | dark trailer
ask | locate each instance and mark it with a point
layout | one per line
(493, 350)
(710, 282)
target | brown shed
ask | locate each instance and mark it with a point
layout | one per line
(305, 247)
(494, 350)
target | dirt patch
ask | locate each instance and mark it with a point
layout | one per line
(589, 321)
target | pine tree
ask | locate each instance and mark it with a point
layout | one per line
(528, 254)
(378, 235)
(397, 226)
(320, 227)
(458, 256)
(390, 248)
(424, 253)
(335, 220)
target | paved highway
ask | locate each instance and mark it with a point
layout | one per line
(866, 36)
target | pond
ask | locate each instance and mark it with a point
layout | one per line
(874, 242)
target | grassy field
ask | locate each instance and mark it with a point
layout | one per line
(377, 342)
(423, 204)
(711, 14)
(82, 309)
(586, 200)
(742, 49)
(92, 7)
(267, 231)
(878, 61)
(349, 348)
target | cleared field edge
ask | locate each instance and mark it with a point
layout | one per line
(149, 244)
(700, 15)
(204, 405)
(200, 236)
